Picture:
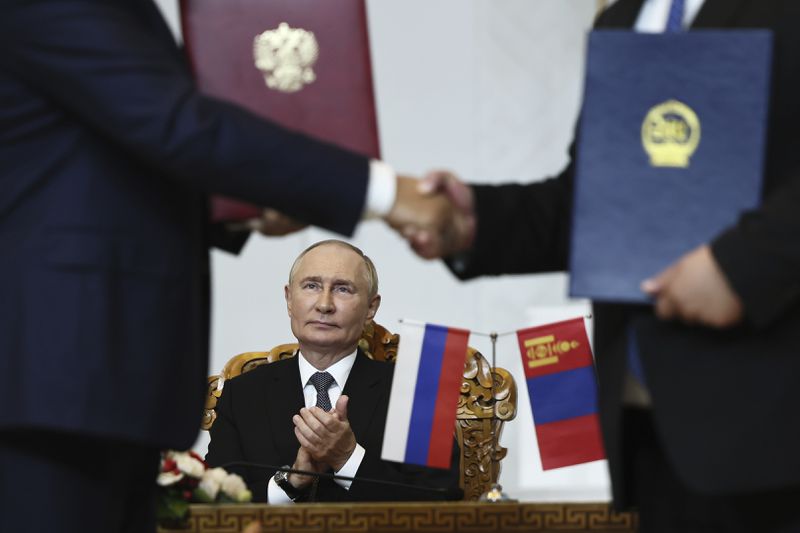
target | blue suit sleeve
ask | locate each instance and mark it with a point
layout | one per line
(111, 71)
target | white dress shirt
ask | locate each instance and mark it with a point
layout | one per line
(654, 13)
(340, 371)
(381, 190)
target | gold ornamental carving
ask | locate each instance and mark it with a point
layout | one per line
(285, 56)
(401, 517)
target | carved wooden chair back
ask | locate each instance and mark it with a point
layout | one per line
(482, 409)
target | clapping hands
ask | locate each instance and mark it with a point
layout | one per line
(325, 438)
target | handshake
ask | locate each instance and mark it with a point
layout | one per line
(436, 215)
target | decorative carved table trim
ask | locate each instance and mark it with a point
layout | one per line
(448, 517)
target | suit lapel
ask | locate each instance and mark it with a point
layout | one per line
(717, 13)
(151, 16)
(620, 15)
(714, 13)
(284, 399)
(361, 385)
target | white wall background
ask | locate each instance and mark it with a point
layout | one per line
(489, 89)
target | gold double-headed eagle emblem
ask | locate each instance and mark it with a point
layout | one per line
(670, 134)
(285, 56)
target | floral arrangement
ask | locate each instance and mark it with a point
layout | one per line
(185, 478)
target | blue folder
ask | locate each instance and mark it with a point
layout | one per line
(670, 151)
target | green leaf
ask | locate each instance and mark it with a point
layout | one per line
(171, 508)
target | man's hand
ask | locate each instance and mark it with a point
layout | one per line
(695, 290)
(448, 183)
(304, 461)
(274, 224)
(326, 436)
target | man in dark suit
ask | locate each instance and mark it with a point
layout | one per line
(281, 413)
(713, 442)
(107, 154)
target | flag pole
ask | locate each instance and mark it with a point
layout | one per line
(495, 492)
(493, 338)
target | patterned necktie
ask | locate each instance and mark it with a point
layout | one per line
(322, 381)
(675, 17)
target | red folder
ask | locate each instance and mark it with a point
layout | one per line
(314, 77)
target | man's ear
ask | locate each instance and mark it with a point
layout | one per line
(288, 296)
(374, 304)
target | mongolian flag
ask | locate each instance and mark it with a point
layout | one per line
(562, 386)
(422, 407)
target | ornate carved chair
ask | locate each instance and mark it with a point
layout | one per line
(479, 419)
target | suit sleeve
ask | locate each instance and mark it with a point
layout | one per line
(521, 229)
(225, 239)
(524, 229)
(106, 68)
(760, 256)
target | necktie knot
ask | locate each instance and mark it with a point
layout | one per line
(322, 382)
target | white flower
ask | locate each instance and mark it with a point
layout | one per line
(169, 478)
(189, 465)
(210, 487)
(211, 481)
(233, 486)
(217, 474)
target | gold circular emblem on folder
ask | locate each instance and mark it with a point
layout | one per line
(285, 56)
(670, 134)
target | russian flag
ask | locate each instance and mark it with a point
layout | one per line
(559, 371)
(422, 407)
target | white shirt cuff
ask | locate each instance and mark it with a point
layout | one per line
(350, 467)
(275, 494)
(381, 190)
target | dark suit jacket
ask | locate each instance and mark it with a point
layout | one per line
(107, 154)
(254, 424)
(725, 403)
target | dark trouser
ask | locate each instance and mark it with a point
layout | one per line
(666, 504)
(59, 482)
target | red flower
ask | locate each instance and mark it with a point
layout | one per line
(169, 465)
(197, 456)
